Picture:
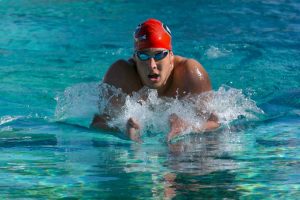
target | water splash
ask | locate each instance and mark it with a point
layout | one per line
(228, 104)
(80, 103)
(77, 104)
(7, 118)
(231, 104)
(215, 52)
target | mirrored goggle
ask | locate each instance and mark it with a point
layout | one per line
(158, 56)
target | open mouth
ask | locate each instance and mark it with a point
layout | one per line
(154, 77)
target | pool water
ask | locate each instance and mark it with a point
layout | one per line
(54, 54)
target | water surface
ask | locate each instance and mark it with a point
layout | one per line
(53, 55)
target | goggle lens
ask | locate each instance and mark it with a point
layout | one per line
(158, 56)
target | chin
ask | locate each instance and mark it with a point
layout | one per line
(154, 85)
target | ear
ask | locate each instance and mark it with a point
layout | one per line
(171, 56)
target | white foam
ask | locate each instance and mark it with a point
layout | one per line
(230, 104)
(77, 103)
(152, 112)
(7, 118)
(215, 52)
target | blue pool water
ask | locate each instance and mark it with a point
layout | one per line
(53, 55)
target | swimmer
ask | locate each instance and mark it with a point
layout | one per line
(155, 66)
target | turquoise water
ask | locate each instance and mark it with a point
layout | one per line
(53, 55)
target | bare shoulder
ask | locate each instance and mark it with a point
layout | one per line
(122, 74)
(193, 74)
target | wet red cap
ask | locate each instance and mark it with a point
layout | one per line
(152, 34)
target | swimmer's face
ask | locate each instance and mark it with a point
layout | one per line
(154, 66)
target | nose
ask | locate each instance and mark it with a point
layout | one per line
(152, 64)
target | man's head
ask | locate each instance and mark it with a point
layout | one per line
(152, 34)
(153, 53)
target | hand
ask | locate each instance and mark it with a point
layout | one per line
(133, 130)
(100, 122)
(177, 126)
(212, 123)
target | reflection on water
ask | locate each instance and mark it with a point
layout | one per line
(77, 161)
(196, 164)
(47, 46)
(203, 154)
(189, 166)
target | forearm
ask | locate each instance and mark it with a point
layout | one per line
(211, 124)
(207, 126)
(100, 122)
(132, 127)
(179, 126)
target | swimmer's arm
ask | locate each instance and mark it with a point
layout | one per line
(178, 126)
(132, 127)
(122, 74)
(100, 122)
(211, 124)
(199, 82)
(115, 76)
(111, 78)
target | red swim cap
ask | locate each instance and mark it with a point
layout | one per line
(152, 34)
